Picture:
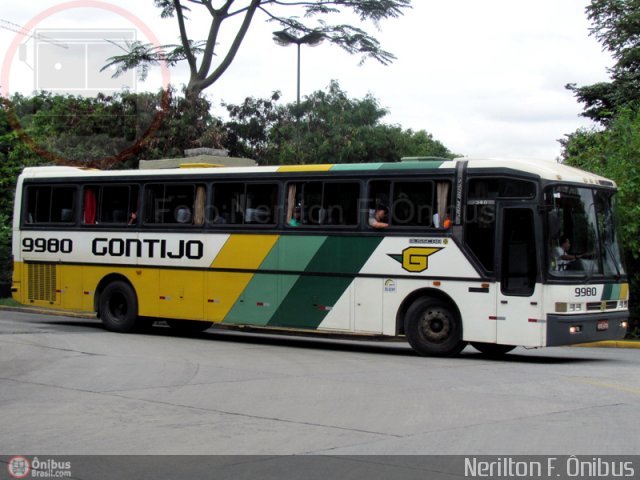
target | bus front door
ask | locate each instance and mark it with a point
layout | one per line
(519, 298)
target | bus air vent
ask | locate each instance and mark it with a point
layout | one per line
(42, 281)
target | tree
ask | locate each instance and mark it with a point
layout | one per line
(327, 127)
(613, 153)
(613, 150)
(101, 131)
(616, 24)
(200, 54)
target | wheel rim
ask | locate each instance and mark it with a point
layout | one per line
(118, 307)
(435, 326)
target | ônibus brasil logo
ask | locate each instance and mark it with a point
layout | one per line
(19, 467)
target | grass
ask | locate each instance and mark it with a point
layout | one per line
(9, 302)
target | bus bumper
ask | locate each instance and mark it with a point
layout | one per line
(571, 329)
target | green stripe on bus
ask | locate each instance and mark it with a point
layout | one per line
(606, 292)
(411, 165)
(264, 293)
(343, 254)
(309, 301)
(350, 167)
(615, 292)
(312, 296)
(257, 303)
(417, 165)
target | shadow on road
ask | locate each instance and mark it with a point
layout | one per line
(335, 342)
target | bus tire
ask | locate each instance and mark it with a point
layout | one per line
(433, 328)
(119, 307)
(189, 326)
(492, 350)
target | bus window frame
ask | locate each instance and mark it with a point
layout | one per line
(323, 226)
(111, 225)
(210, 207)
(33, 225)
(404, 229)
(142, 213)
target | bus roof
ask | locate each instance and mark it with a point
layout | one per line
(544, 169)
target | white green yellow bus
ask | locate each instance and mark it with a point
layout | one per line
(443, 252)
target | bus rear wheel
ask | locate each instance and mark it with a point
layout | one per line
(433, 328)
(118, 307)
(492, 349)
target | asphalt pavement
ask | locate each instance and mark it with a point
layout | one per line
(68, 387)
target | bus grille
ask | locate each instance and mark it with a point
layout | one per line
(600, 306)
(42, 281)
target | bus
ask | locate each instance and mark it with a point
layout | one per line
(495, 253)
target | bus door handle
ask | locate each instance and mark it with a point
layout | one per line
(504, 302)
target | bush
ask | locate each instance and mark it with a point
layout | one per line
(6, 263)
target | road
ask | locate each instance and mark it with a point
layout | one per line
(69, 387)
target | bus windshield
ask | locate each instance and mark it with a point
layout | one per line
(582, 233)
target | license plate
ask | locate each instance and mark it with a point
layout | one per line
(602, 325)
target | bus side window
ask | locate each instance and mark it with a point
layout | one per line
(323, 203)
(116, 204)
(340, 203)
(170, 204)
(261, 199)
(413, 204)
(51, 204)
(228, 200)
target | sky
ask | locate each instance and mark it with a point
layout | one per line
(486, 78)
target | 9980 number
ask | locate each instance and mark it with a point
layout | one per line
(586, 291)
(48, 245)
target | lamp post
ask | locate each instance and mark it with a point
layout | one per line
(284, 39)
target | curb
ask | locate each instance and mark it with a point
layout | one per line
(611, 344)
(46, 311)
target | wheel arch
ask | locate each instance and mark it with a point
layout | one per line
(112, 277)
(423, 292)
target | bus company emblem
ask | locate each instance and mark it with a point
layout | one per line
(415, 259)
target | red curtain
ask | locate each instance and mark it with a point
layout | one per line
(89, 206)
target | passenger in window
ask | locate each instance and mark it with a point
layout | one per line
(183, 215)
(295, 219)
(379, 217)
(133, 218)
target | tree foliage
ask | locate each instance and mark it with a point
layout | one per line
(616, 24)
(327, 127)
(210, 57)
(613, 150)
(105, 131)
(614, 153)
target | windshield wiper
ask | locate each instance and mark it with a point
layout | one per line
(613, 260)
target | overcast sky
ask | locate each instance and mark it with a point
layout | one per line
(486, 78)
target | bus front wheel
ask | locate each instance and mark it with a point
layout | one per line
(433, 328)
(119, 307)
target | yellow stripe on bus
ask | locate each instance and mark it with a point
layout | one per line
(306, 168)
(624, 292)
(244, 252)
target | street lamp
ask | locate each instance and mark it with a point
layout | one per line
(284, 39)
